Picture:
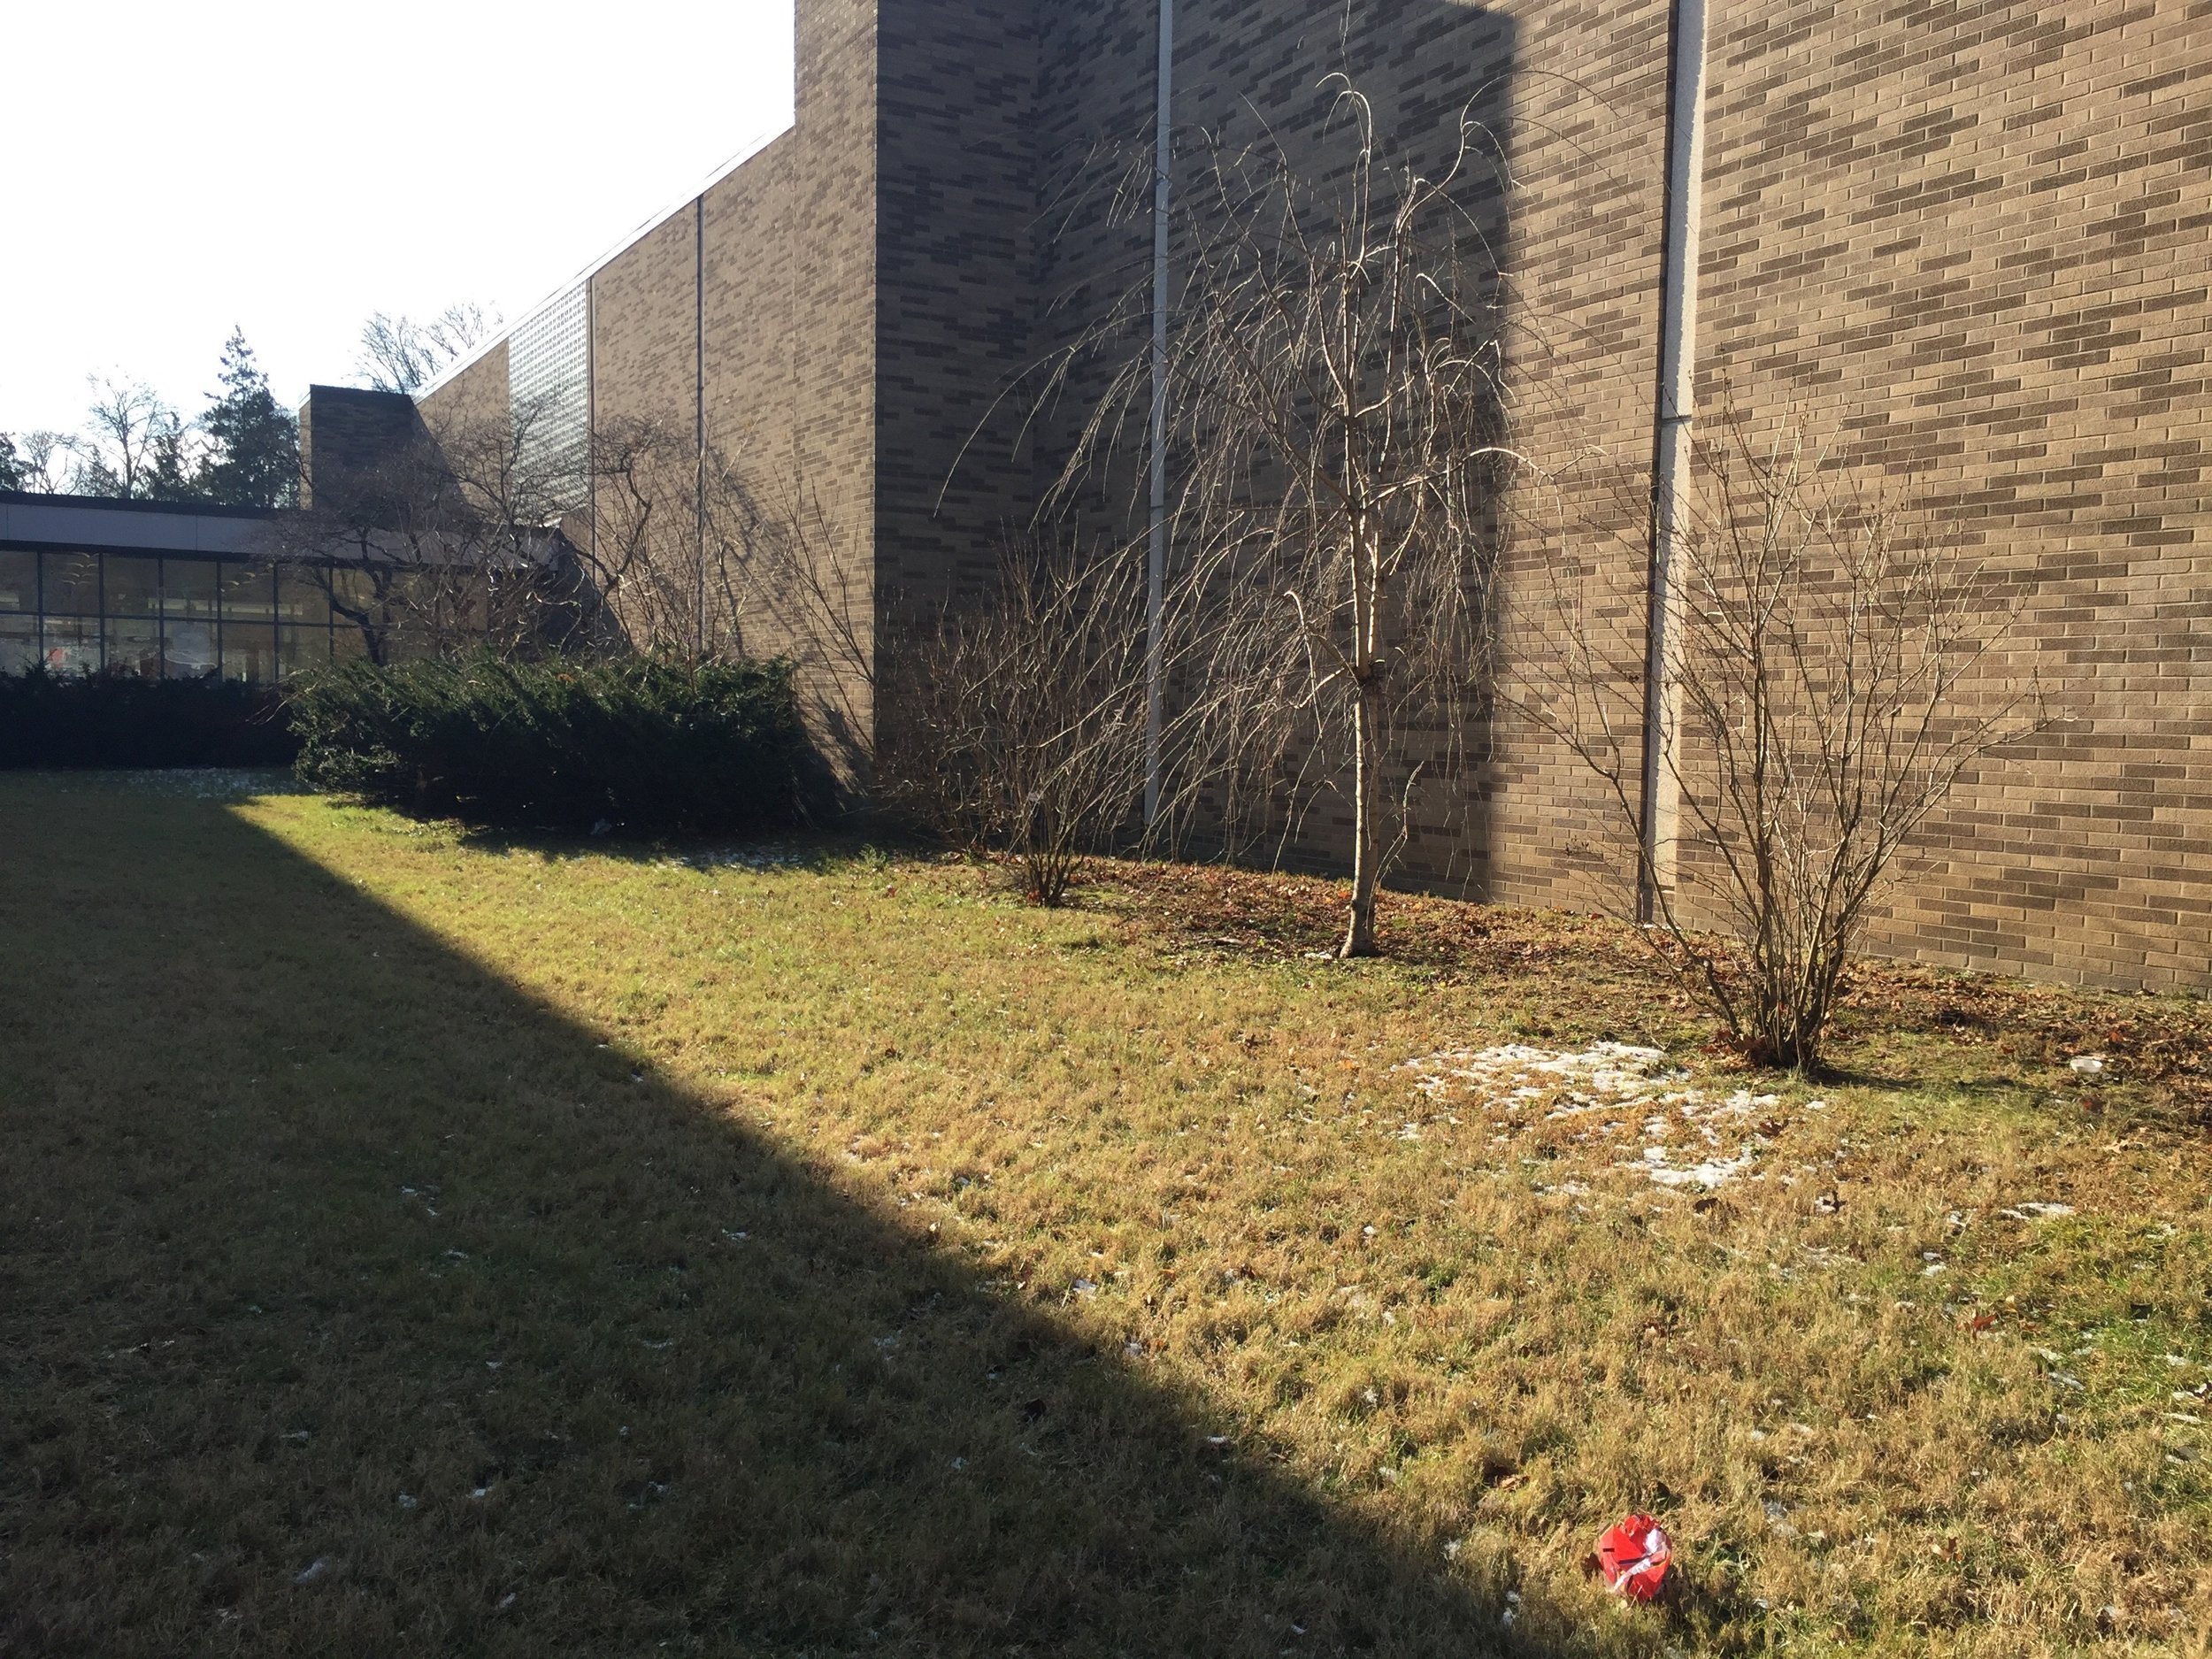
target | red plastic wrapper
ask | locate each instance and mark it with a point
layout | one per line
(1633, 1556)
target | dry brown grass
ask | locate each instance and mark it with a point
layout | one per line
(884, 1280)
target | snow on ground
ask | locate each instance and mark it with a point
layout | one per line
(1614, 1104)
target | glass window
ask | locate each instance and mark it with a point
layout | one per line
(549, 357)
(412, 596)
(19, 644)
(133, 586)
(347, 643)
(353, 596)
(303, 597)
(71, 645)
(72, 584)
(134, 646)
(18, 581)
(249, 592)
(189, 649)
(188, 588)
(248, 650)
(302, 648)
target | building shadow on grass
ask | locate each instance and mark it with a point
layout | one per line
(356, 1302)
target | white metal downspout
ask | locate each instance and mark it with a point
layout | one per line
(699, 408)
(1155, 558)
(1670, 439)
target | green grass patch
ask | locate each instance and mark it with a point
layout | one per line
(588, 1248)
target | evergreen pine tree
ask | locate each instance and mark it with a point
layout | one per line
(254, 443)
(167, 478)
(11, 463)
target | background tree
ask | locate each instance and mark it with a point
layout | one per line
(399, 354)
(171, 474)
(43, 462)
(1823, 693)
(116, 453)
(12, 468)
(253, 456)
(1334, 417)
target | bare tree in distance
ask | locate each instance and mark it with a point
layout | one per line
(43, 462)
(1826, 687)
(399, 354)
(126, 431)
(1335, 418)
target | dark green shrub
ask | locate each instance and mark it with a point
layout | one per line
(646, 744)
(112, 719)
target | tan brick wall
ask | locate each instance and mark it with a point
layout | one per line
(832, 335)
(1586, 121)
(769, 360)
(1964, 246)
(1574, 97)
(475, 396)
(1967, 246)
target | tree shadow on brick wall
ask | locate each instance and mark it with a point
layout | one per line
(1440, 79)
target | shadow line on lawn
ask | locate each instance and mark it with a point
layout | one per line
(322, 1213)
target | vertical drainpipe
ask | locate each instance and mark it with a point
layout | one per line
(1670, 435)
(591, 410)
(1156, 554)
(699, 407)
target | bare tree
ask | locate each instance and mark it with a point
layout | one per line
(126, 432)
(41, 463)
(1824, 687)
(451, 541)
(795, 584)
(1335, 417)
(399, 354)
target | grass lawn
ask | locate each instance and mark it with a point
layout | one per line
(416, 1243)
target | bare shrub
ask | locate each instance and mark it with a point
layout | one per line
(1822, 689)
(1017, 720)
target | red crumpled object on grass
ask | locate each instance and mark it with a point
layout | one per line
(1633, 1556)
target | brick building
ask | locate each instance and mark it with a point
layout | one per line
(1965, 245)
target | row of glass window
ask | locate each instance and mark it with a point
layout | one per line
(182, 617)
(170, 649)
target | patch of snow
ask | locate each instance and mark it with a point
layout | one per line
(1706, 1176)
(1521, 1088)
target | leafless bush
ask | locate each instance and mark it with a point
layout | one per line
(1335, 421)
(1822, 690)
(1018, 719)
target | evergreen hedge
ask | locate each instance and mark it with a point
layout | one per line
(645, 744)
(121, 720)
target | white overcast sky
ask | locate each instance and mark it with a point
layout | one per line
(178, 167)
